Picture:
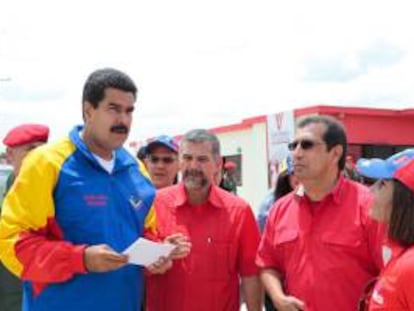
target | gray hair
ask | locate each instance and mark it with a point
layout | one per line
(198, 136)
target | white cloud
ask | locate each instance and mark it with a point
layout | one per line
(203, 64)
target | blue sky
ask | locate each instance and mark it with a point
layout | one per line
(203, 63)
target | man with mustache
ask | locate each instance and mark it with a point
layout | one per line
(222, 231)
(76, 205)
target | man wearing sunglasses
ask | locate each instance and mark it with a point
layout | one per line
(161, 160)
(319, 246)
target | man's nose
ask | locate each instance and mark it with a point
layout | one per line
(124, 118)
(160, 163)
(193, 164)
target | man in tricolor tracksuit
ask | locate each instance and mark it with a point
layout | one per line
(76, 205)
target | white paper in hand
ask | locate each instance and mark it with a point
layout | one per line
(145, 252)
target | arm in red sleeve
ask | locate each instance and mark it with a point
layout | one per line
(47, 260)
(266, 257)
(248, 243)
(405, 288)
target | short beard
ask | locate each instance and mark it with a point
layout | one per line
(194, 179)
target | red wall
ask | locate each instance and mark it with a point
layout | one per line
(371, 126)
(379, 130)
(363, 125)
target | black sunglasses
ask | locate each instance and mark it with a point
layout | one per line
(305, 144)
(155, 159)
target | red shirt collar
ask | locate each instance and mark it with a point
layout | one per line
(214, 197)
(335, 194)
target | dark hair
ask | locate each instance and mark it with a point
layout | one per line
(283, 186)
(142, 153)
(101, 79)
(200, 136)
(333, 136)
(401, 226)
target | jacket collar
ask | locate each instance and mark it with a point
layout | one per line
(122, 157)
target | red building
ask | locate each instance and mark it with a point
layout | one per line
(370, 132)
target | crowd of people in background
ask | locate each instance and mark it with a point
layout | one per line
(321, 240)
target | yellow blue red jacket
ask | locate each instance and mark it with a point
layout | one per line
(61, 202)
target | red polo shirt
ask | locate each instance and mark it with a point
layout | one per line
(326, 251)
(395, 287)
(224, 237)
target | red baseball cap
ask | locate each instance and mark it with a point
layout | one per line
(230, 165)
(25, 134)
(406, 175)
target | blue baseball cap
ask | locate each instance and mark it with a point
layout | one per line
(162, 140)
(389, 168)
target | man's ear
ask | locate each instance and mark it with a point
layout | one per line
(220, 163)
(87, 110)
(338, 151)
(9, 155)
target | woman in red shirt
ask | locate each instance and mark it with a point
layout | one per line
(393, 205)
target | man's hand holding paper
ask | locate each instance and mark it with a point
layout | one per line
(182, 243)
(157, 257)
(145, 252)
